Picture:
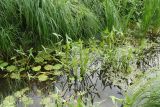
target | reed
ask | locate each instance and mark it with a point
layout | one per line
(36, 21)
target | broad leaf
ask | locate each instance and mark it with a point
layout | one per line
(57, 66)
(42, 77)
(39, 59)
(48, 67)
(15, 76)
(37, 68)
(11, 68)
(4, 64)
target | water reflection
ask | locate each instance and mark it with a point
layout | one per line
(91, 84)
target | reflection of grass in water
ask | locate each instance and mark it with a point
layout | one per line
(49, 100)
(145, 93)
(10, 86)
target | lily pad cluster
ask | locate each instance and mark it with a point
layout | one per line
(40, 66)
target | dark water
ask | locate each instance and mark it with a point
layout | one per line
(95, 86)
(92, 85)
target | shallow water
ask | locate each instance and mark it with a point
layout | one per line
(93, 85)
(97, 92)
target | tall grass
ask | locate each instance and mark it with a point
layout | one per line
(39, 19)
(151, 15)
(36, 21)
(58, 16)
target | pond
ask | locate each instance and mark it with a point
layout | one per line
(97, 86)
(96, 91)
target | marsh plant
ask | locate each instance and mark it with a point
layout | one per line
(145, 92)
(33, 23)
(53, 99)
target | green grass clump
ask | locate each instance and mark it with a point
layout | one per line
(145, 93)
(151, 15)
(35, 22)
(38, 20)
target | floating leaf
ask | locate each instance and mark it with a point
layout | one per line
(37, 68)
(39, 59)
(57, 66)
(42, 77)
(9, 101)
(4, 64)
(21, 69)
(46, 101)
(26, 100)
(57, 73)
(15, 76)
(48, 67)
(45, 56)
(11, 68)
(22, 61)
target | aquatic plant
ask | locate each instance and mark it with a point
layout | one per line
(34, 23)
(145, 92)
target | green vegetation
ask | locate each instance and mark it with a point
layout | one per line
(145, 92)
(47, 39)
(33, 23)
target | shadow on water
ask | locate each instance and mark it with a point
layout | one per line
(92, 85)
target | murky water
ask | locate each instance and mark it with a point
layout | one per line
(92, 85)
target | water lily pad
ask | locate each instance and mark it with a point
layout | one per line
(21, 69)
(37, 68)
(57, 66)
(57, 73)
(48, 67)
(11, 68)
(45, 56)
(23, 61)
(9, 101)
(27, 100)
(15, 76)
(42, 77)
(39, 59)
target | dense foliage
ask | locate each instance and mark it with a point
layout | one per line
(45, 39)
(33, 23)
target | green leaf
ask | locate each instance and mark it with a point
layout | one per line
(45, 56)
(21, 69)
(1, 61)
(9, 101)
(15, 76)
(37, 68)
(48, 67)
(57, 66)
(42, 77)
(22, 61)
(4, 64)
(11, 68)
(39, 59)
(27, 100)
(57, 73)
